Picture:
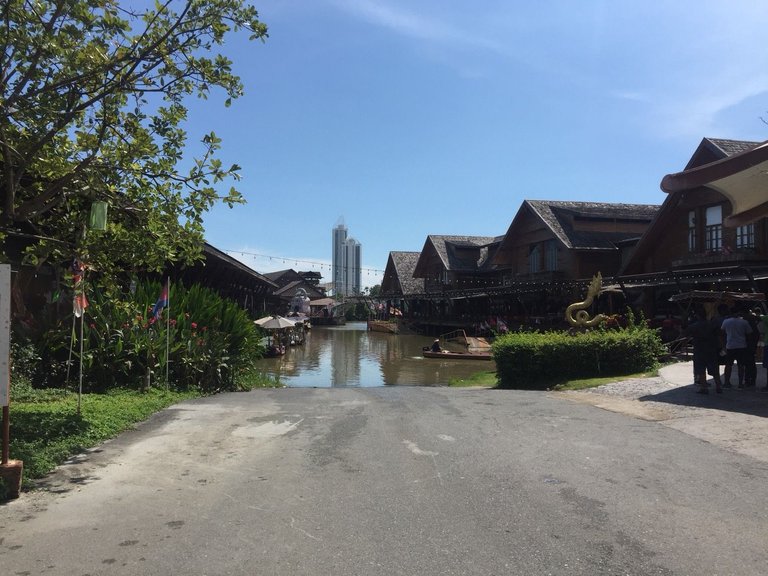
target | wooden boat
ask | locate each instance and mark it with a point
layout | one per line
(383, 326)
(448, 355)
(274, 351)
(472, 343)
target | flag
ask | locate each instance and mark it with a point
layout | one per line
(79, 302)
(162, 301)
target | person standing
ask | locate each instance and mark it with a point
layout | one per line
(764, 332)
(750, 374)
(736, 330)
(706, 347)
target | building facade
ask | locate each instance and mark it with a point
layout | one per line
(347, 262)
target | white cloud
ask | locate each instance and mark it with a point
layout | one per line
(407, 22)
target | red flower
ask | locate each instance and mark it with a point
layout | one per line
(92, 325)
(194, 325)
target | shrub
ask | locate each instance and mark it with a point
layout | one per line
(539, 360)
(206, 342)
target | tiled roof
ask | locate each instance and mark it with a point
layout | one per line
(404, 263)
(211, 251)
(556, 215)
(731, 147)
(289, 288)
(275, 276)
(713, 149)
(448, 249)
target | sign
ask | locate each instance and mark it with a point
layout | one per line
(5, 334)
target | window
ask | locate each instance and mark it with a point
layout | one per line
(713, 228)
(534, 259)
(550, 256)
(745, 236)
(692, 231)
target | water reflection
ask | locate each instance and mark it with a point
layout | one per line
(352, 356)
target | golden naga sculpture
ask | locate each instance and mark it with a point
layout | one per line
(581, 318)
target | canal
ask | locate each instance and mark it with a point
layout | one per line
(352, 356)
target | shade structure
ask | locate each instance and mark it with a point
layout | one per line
(274, 323)
(742, 178)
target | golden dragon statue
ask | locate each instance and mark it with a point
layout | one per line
(581, 318)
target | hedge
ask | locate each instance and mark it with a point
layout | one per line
(536, 360)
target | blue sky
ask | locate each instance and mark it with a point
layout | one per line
(407, 118)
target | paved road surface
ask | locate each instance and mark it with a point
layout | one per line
(395, 481)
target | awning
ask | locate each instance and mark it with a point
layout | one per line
(742, 178)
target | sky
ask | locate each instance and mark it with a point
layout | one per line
(405, 118)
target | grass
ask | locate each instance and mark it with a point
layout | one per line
(488, 379)
(46, 429)
(594, 382)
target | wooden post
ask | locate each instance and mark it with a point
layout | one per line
(5, 350)
(10, 470)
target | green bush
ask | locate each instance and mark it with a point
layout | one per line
(535, 360)
(206, 342)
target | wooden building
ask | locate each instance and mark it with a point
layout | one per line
(711, 232)
(289, 283)
(553, 248)
(400, 289)
(457, 271)
(229, 278)
(451, 263)
(556, 240)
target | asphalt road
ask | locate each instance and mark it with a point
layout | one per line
(391, 481)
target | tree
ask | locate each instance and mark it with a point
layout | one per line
(374, 290)
(92, 108)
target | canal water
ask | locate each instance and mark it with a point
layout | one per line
(350, 355)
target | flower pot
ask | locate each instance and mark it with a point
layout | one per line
(11, 476)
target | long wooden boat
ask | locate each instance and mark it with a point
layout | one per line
(446, 355)
(383, 326)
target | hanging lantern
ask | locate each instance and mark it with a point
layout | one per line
(98, 218)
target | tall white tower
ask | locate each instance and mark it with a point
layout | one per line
(347, 262)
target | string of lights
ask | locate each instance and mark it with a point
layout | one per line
(720, 279)
(296, 261)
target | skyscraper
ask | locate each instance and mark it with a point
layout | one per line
(347, 262)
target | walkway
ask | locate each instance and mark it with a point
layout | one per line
(736, 420)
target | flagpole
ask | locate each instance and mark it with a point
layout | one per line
(72, 336)
(80, 385)
(167, 332)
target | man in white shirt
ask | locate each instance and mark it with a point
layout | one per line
(736, 330)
